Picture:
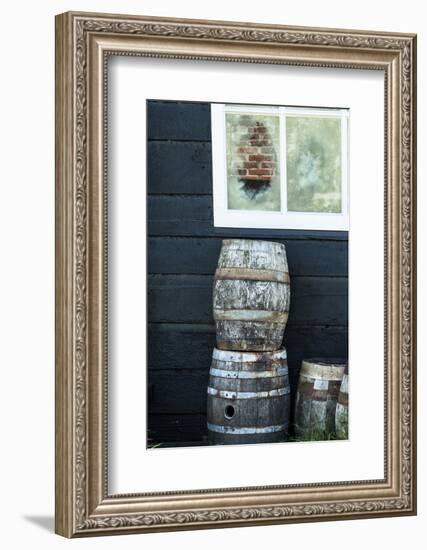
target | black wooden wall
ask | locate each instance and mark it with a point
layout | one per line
(183, 249)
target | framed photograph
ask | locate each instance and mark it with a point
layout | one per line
(235, 274)
(280, 167)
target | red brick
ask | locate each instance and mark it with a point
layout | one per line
(260, 172)
(260, 158)
(247, 150)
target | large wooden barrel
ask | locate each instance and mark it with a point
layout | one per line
(341, 412)
(251, 295)
(248, 397)
(318, 387)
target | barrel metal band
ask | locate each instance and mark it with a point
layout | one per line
(250, 315)
(323, 372)
(344, 384)
(245, 374)
(247, 356)
(246, 430)
(226, 394)
(250, 274)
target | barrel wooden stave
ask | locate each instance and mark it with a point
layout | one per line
(270, 296)
(341, 413)
(253, 254)
(244, 336)
(317, 394)
(258, 417)
(251, 295)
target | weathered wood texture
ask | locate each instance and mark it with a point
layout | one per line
(188, 299)
(248, 397)
(251, 295)
(180, 346)
(341, 412)
(316, 399)
(183, 251)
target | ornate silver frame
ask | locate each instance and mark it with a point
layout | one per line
(83, 42)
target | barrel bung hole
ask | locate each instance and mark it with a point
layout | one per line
(229, 412)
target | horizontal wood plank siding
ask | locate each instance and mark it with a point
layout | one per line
(181, 346)
(176, 255)
(176, 428)
(177, 167)
(178, 121)
(188, 299)
(192, 216)
(184, 396)
(183, 250)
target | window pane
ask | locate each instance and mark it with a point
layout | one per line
(253, 176)
(313, 162)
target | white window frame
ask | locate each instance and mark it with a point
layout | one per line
(283, 219)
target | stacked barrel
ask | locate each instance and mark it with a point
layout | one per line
(341, 412)
(321, 404)
(248, 396)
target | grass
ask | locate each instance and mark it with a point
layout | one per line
(153, 445)
(150, 443)
(315, 434)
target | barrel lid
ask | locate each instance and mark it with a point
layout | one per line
(323, 368)
(327, 361)
(252, 244)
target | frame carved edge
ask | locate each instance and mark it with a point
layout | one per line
(304, 512)
(408, 273)
(72, 33)
(64, 280)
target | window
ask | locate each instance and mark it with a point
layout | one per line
(280, 167)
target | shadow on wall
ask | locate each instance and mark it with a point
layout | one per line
(47, 523)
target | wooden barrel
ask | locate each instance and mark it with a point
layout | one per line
(248, 397)
(318, 387)
(251, 295)
(341, 412)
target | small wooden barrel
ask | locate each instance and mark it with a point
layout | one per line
(248, 397)
(251, 295)
(341, 412)
(318, 387)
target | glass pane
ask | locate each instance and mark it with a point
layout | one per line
(313, 162)
(253, 167)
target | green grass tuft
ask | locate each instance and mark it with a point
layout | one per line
(315, 434)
